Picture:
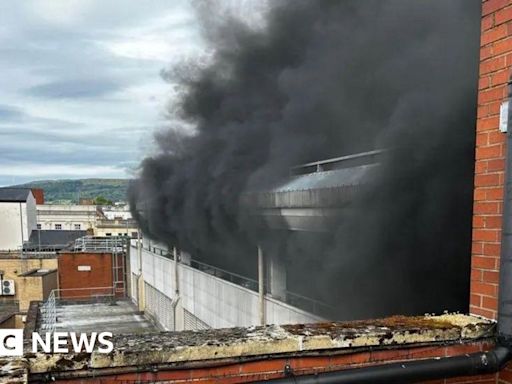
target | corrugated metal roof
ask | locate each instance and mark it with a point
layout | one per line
(327, 179)
(14, 195)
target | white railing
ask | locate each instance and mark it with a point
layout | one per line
(100, 244)
(48, 310)
(49, 313)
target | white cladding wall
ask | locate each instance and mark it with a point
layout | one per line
(216, 302)
(30, 216)
(17, 220)
(10, 226)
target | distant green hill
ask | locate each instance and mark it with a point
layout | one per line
(71, 190)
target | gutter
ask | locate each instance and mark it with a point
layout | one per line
(447, 367)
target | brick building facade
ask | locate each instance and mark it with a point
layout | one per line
(496, 60)
(83, 275)
(495, 64)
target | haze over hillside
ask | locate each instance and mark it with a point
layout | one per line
(73, 190)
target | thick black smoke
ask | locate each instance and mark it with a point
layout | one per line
(323, 79)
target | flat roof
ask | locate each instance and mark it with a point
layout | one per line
(118, 317)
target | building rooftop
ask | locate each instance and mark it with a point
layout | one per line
(14, 195)
(337, 178)
(55, 239)
(118, 317)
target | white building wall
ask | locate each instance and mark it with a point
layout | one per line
(214, 301)
(113, 213)
(17, 220)
(10, 226)
(29, 216)
(49, 215)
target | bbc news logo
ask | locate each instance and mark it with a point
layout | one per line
(11, 342)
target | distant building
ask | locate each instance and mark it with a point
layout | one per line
(86, 201)
(30, 278)
(18, 217)
(66, 217)
(117, 211)
(117, 227)
(31, 273)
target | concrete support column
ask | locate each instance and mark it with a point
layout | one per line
(261, 286)
(141, 302)
(179, 321)
(277, 277)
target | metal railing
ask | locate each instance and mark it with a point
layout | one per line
(159, 251)
(48, 309)
(30, 248)
(100, 244)
(48, 313)
(306, 303)
(338, 162)
(309, 304)
(232, 277)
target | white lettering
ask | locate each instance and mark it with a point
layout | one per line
(60, 342)
(45, 344)
(104, 339)
(83, 340)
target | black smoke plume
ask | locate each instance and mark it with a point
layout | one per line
(324, 79)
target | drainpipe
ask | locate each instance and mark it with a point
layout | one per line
(140, 278)
(261, 286)
(21, 227)
(177, 297)
(456, 366)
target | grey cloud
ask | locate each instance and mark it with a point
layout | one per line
(79, 88)
(8, 113)
(46, 63)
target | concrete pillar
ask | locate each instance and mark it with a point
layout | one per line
(179, 321)
(277, 277)
(261, 287)
(141, 302)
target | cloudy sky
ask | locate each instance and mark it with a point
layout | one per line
(80, 89)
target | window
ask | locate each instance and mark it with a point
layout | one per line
(77, 227)
(38, 226)
(108, 234)
(58, 226)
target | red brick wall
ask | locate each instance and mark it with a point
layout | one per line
(243, 372)
(496, 60)
(73, 282)
(38, 195)
(495, 64)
